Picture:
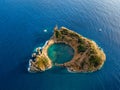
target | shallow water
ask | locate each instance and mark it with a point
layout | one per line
(22, 25)
(60, 53)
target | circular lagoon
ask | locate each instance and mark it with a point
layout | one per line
(60, 53)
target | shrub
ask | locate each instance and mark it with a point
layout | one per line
(64, 32)
(81, 48)
(80, 41)
(57, 34)
(92, 51)
(94, 60)
(74, 35)
(45, 61)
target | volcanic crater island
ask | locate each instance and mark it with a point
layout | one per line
(88, 56)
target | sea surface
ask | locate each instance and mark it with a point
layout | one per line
(27, 24)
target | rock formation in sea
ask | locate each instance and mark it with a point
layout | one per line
(88, 56)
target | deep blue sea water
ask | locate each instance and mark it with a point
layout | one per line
(22, 24)
(60, 53)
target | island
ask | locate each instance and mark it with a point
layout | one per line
(88, 56)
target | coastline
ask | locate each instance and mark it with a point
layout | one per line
(79, 58)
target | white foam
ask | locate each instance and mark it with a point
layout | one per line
(37, 48)
(100, 30)
(29, 65)
(70, 71)
(45, 30)
(28, 69)
(30, 62)
(45, 44)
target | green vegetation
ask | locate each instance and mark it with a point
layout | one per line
(80, 41)
(92, 51)
(45, 61)
(57, 34)
(94, 60)
(90, 68)
(63, 37)
(81, 48)
(82, 64)
(87, 57)
(42, 61)
(74, 35)
(64, 32)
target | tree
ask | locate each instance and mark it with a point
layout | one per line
(94, 60)
(81, 48)
(57, 34)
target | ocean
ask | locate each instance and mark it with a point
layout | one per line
(23, 25)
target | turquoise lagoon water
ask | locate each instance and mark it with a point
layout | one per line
(22, 25)
(60, 53)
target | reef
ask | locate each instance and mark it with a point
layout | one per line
(88, 56)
